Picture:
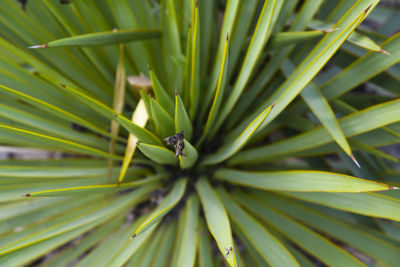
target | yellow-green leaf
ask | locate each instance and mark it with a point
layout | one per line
(189, 157)
(182, 120)
(268, 246)
(164, 207)
(103, 38)
(94, 189)
(140, 118)
(141, 133)
(158, 154)
(217, 220)
(230, 148)
(300, 181)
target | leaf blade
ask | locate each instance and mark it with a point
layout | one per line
(217, 219)
(103, 38)
(300, 181)
(164, 207)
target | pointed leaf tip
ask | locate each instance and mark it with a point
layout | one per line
(227, 36)
(366, 10)
(393, 187)
(132, 236)
(384, 52)
(38, 46)
(354, 160)
(26, 195)
(330, 30)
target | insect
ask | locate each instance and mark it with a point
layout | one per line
(228, 250)
(178, 143)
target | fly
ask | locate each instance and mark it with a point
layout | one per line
(177, 141)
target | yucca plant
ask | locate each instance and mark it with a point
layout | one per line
(217, 133)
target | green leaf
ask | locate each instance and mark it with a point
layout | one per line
(314, 61)
(164, 207)
(56, 142)
(118, 104)
(194, 89)
(97, 216)
(161, 257)
(212, 115)
(163, 121)
(182, 120)
(141, 133)
(25, 255)
(313, 243)
(364, 240)
(171, 44)
(103, 38)
(161, 95)
(354, 124)
(321, 109)
(130, 247)
(217, 219)
(158, 154)
(363, 69)
(189, 242)
(90, 240)
(230, 17)
(370, 204)
(147, 252)
(52, 109)
(283, 39)
(257, 43)
(189, 157)
(205, 253)
(300, 181)
(267, 245)
(44, 122)
(231, 148)
(354, 38)
(94, 189)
